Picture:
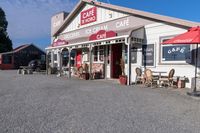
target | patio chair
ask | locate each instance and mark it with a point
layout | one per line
(139, 77)
(80, 72)
(149, 79)
(167, 80)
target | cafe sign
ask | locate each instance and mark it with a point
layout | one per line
(89, 16)
(59, 42)
(102, 34)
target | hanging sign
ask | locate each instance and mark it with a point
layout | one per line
(59, 42)
(102, 34)
(89, 16)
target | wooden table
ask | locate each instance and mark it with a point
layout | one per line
(160, 75)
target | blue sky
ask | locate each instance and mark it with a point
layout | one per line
(29, 20)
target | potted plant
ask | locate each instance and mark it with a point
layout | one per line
(123, 77)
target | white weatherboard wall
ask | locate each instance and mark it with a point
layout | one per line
(103, 15)
(153, 34)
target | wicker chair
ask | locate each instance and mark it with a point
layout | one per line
(167, 80)
(139, 77)
(149, 79)
(80, 72)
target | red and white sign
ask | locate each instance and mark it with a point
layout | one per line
(102, 34)
(89, 16)
(59, 42)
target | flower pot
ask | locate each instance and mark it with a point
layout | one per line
(123, 79)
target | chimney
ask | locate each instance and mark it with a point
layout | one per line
(57, 21)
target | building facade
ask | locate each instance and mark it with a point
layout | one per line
(101, 34)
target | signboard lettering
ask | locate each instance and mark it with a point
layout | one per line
(176, 53)
(89, 16)
(102, 34)
(59, 42)
(123, 23)
(118, 25)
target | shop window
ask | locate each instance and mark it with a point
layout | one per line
(98, 54)
(95, 54)
(49, 57)
(101, 53)
(176, 53)
(65, 58)
(55, 57)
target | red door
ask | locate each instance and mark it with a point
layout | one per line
(78, 58)
(115, 60)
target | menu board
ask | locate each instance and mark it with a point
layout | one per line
(148, 55)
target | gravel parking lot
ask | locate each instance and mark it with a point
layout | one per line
(48, 104)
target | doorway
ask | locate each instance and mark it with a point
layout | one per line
(116, 55)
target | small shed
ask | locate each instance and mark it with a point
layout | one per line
(20, 56)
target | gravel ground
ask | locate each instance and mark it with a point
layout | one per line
(48, 104)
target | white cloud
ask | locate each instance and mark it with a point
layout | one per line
(30, 19)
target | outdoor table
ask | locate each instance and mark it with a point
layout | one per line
(159, 75)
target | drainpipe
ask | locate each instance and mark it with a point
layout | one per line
(90, 50)
(128, 43)
(69, 63)
(60, 61)
(105, 62)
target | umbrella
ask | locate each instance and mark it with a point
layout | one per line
(192, 36)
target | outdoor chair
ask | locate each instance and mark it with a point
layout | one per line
(139, 77)
(149, 78)
(167, 80)
(80, 72)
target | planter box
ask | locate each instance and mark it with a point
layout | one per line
(123, 79)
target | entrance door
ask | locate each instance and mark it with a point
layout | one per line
(78, 58)
(115, 60)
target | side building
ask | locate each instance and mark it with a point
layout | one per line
(101, 34)
(20, 56)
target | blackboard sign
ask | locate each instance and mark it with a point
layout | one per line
(148, 55)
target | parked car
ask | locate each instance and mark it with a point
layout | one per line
(37, 65)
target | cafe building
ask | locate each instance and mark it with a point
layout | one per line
(100, 34)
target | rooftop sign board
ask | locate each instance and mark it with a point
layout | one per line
(89, 16)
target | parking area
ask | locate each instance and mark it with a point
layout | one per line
(42, 103)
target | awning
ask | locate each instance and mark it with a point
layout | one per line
(137, 35)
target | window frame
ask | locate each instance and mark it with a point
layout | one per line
(98, 54)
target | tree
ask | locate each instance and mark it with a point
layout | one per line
(5, 42)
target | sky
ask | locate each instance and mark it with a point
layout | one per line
(29, 20)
